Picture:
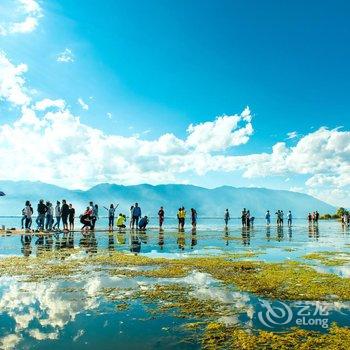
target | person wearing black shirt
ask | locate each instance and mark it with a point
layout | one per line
(71, 217)
(85, 219)
(42, 209)
(161, 217)
(64, 214)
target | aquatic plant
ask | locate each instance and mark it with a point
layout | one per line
(217, 335)
(329, 258)
(283, 281)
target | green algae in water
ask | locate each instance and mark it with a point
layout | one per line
(283, 281)
(177, 298)
(218, 336)
(330, 258)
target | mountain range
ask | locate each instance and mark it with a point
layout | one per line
(208, 202)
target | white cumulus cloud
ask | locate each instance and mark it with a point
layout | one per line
(66, 144)
(221, 133)
(83, 104)
(12, 82)
(48, 103)
(66, 56)
(28, 12)
(292, 135)
(75, 155)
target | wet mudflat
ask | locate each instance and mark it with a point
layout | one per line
(263, 287)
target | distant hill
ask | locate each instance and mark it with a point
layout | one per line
(208, 202)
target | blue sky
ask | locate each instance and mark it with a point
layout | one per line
(159, 66)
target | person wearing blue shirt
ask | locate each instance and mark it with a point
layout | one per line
(268, 218)
(136, 214)
(143, 223)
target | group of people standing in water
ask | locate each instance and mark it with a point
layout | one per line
(50, 217)
(279, 218)
(181, 217)
(313, 217)
(89, 217)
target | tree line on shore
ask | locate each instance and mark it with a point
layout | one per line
(337, 215)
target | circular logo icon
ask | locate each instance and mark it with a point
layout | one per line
(274, 315)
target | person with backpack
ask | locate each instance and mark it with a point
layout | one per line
(28, 212)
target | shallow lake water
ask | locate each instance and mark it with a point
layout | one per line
(73, 313)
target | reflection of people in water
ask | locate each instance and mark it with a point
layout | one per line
(143, 237)
(70, 241)
(310, 231)
(39, 244)
(121, 238)
(345, 227)
(161, 239)
(290, 233)
(65, 241)
(181, 242)
(110, 241)
(245, 236)
(88, 241)
(314, 232)
(26, 245)
(280, 234)
(48, 242)
(193, 239)
(135, 244)
(226, 234)
(268, 233)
